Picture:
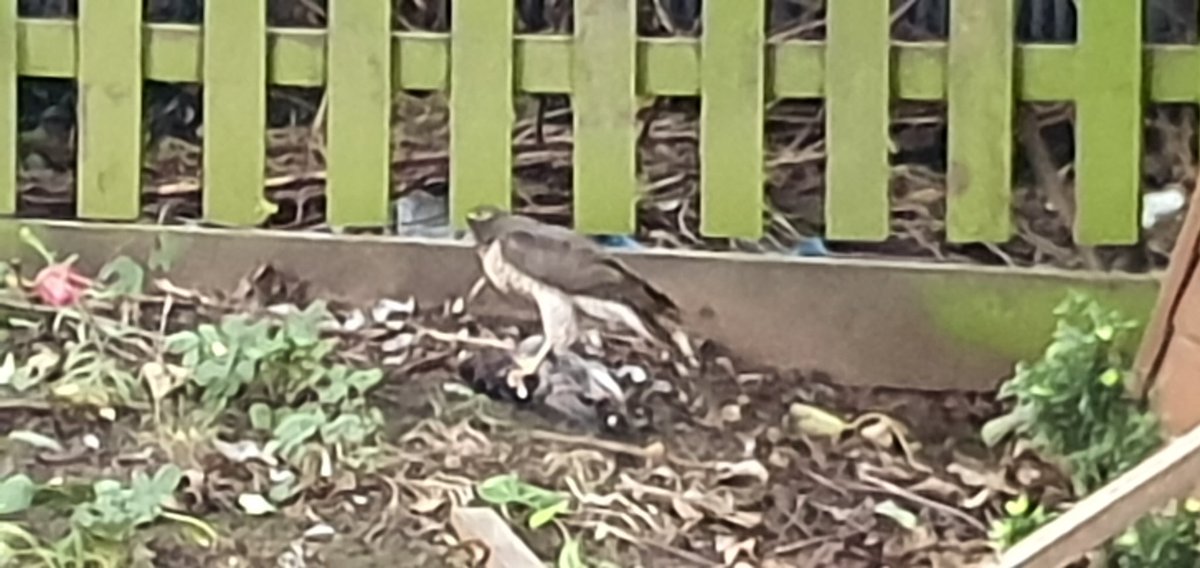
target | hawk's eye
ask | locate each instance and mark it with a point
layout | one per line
(481, 214)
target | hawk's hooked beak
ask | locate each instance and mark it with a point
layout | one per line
(479, 218)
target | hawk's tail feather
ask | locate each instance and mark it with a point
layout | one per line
(664, 303)
(666, 328)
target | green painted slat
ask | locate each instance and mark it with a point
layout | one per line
(857, 99)
(110, 110)
(980, 121)
(1108, 147)
(359, 127)
(605, 106)
(171, 53)
(481, 106)
(666, 66)
(732, 85)
(421, 61)
(235, 112)
(8, 107)
(796, 69)
(297, 57)
(542, 64)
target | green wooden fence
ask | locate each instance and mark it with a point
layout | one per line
(605, 67)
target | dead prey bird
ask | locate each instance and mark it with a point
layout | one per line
(564, 273)
(581, 391)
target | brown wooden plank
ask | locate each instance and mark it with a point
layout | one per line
(1180, 269)
(485, 525)
(1176, 390)
(1171, 473)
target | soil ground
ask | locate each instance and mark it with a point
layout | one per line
(722, 466)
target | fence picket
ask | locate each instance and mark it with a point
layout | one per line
(980, 121)
(235, 112)
(359, 127)
(604, 105)
(732, 85)
(1108, 123)
(110, 110)
(8, 107)
(604, 68)
(857, 98)
(481, 106)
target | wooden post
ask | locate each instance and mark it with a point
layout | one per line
(1170, 349)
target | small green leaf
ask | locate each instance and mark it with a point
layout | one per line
(1105, 333)
(167, 479)
(130, 277)
(297, 428)
(261, 416)
(1128, 539)
(182, 342)
(1111, 377)
(1192, 505)
(363, 380)
(1042, 391)
(27, 236)
(546, 514)
(571, 554)
(902, 516)
(998, 428)
(508, 488)
(499, 489)
(166, 252)
(16, 494)
(1017, 507)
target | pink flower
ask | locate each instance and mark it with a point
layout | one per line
(59, 285)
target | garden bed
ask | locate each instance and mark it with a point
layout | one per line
(707, 465)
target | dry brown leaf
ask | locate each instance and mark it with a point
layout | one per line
(731, 549)
(807, 420)
(753, 469)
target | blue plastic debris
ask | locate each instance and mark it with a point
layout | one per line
(810, 246)
(618, 241)
(422, 214)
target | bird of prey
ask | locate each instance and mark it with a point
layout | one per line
(565, 274)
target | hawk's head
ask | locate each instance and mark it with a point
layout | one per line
(485, 222)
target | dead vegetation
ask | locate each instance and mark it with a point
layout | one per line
(354, 432)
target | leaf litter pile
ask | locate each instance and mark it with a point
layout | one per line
(147, 424)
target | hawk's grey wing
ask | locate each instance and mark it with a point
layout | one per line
(574, 264)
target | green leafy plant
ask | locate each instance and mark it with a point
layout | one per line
(315, 404)
(508, 489)
(122, 276)
(299, 432)
(1166, 540)
(105, 519)
(1021, 519)
(282, 363)
(545, 506)
(1074, 402)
